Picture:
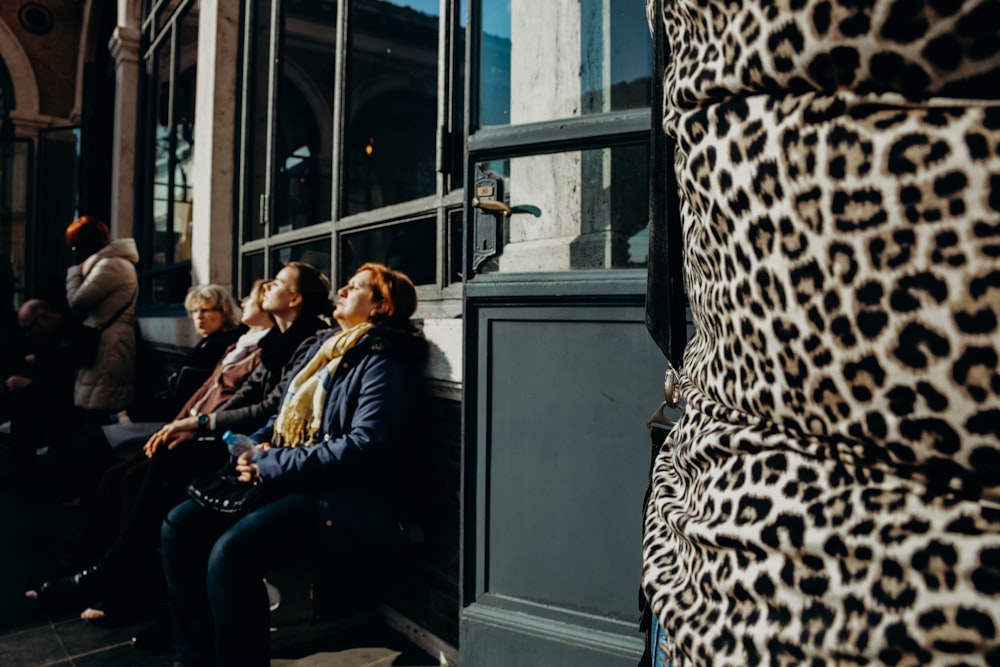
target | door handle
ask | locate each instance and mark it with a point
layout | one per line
(506, 211)
(487, 226)
(492, 205)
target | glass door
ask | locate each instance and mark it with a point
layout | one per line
(559, 368)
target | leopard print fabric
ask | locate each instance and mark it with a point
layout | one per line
(831, 493)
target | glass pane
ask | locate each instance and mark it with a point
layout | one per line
(57, 202)
(184, 105)
(165, 235)
(166, 286)
(6, 94)
(255, 131)
(14, 184)
(159, 87)
(457, 145)
(165, 11)
(253, 268)
(316, 253)
(392, 99)
(575, 210)
(456, 233)
(541, 61)
(304, 141)
(407, 246)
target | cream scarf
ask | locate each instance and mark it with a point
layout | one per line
(301, 412)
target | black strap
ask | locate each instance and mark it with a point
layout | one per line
(666, 304)
(666, 312)
(121, 311)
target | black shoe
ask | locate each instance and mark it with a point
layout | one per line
(155, 638)
(75, 587)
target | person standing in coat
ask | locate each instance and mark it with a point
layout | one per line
(332, 459)
(102, 281)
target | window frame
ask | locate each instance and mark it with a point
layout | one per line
(449, 169)
(509, 141)
(153, 37)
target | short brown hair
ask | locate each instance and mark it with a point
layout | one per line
(395, 288)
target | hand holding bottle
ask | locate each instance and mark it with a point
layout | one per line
(237, 443)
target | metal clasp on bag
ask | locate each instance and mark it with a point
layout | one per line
(671, 397)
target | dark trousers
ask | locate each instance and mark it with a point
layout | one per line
(214, 566)
(123, 525)
(92, 456)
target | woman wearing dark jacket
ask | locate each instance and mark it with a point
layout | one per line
(331, 451)
(216, 318)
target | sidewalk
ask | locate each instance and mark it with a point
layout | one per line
(36, 533)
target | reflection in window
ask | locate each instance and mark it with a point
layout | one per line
(256, 98)
(165, 236)
(302, 193)
(390, 132)
(291, 188)
(165, 11)
(253, 268)
(408, 247)
(576, 210)
(456, 234)
(58, 174)
(302, 170)
(14, 180)
(316, 253)
(530, 73)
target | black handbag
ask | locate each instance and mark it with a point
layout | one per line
(82, 343)
(223, 492)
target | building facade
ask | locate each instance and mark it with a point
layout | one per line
(497, 152)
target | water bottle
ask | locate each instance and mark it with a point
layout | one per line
(238, 443)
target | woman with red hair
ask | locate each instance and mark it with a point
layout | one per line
(101, 287)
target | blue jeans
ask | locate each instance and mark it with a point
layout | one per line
(659, 645)
(214, 566)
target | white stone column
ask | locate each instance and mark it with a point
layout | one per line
(124, 48)
(214, 143)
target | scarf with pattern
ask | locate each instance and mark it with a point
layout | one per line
(301, 412)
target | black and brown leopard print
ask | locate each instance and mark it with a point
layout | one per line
(831, 493)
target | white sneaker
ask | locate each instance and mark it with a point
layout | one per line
(273, 595)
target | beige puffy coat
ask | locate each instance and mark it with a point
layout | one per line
(97, 289)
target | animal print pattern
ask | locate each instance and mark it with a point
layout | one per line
(831, 493)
